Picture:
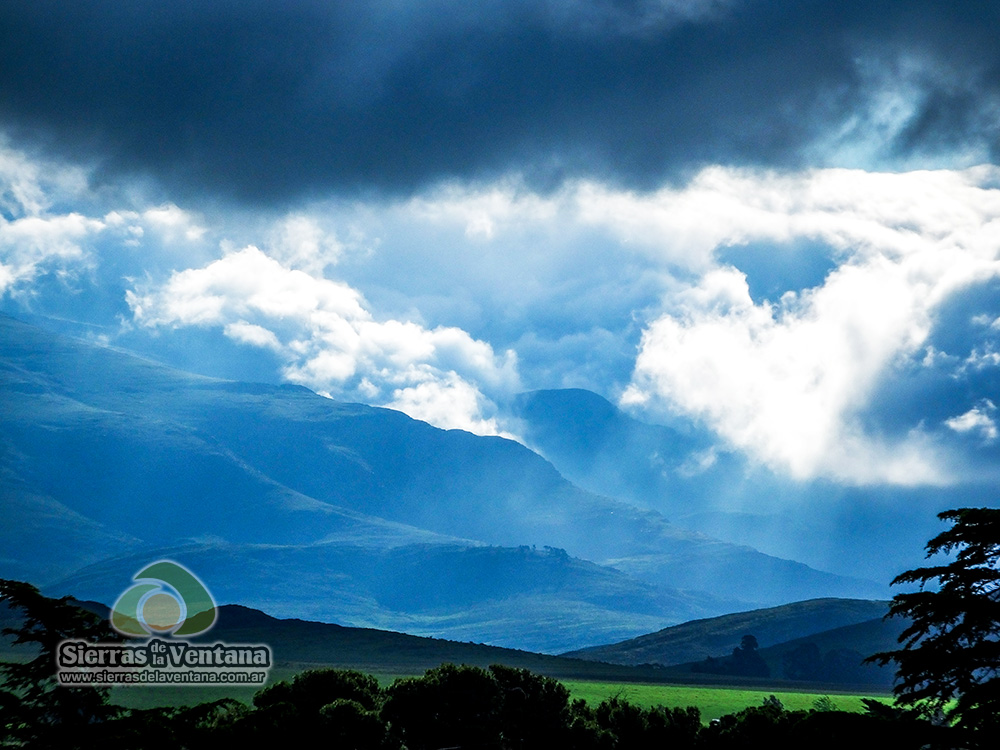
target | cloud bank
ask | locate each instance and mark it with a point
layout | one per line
(445, 303)
(270, 103)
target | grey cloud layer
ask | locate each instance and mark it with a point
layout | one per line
(270, 101)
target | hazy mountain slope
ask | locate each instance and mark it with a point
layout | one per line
(138, 453)
(717, 636)
(41, 539)
(743, 573)
(686, 472)
(542, 600)
(600, 448)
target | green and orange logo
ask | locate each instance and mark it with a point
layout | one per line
(167, 599)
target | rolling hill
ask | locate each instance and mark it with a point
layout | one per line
(717, 636)
(302, 644)
(822, 641)
(299, 644)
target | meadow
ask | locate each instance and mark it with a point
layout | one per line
(713, 701)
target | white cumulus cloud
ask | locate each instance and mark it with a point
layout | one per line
(977, 420)
(786, 380)
(35, 240)
(331, 342)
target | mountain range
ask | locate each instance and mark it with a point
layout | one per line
(282, 499)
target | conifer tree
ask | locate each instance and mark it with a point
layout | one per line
(34, 708)
(951, 649)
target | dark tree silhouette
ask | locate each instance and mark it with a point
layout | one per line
(314, 688)
(341, 704)
(744, 662)
(450, 706)
(951, 650)
(747, 661)
(34, 708)
(534, 710)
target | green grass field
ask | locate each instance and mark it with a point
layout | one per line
(713, 702)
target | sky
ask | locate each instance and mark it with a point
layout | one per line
(778, 221)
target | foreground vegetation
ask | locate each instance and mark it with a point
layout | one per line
(712, 702)
(451, 706)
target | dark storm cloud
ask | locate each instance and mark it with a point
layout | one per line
(269, 101)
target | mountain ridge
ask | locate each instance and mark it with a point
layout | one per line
(132, 456)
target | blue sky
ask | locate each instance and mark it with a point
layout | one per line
(778, 221)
